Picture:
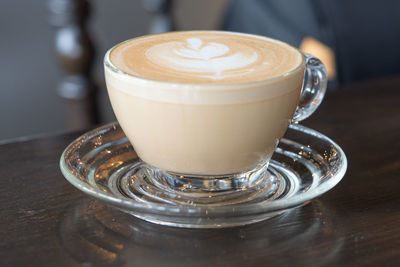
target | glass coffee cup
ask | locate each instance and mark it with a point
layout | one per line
(205, 110)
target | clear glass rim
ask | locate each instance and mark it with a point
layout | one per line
(174, 210)
(110, 66)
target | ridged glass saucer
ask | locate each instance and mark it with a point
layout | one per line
(103, 164)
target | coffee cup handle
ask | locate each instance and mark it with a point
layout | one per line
(314, 88)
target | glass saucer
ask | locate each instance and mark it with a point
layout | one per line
(103, 164)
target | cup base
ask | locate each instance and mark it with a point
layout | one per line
(144, 182)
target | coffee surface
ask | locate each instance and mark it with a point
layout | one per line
(205, 57)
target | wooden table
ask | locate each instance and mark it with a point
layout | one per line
(45, 221)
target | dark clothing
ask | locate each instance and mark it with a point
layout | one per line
(365, 34)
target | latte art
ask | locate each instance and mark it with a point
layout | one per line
(205, 57)
(198, 57)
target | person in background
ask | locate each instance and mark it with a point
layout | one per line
(356, 39)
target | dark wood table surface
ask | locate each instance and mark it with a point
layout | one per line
(45, 221)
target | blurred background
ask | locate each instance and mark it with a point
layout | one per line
(51, 76)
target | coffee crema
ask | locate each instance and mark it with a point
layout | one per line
(205, 57)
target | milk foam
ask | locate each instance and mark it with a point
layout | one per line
(198, 57)
(204, 68)
(205, 57)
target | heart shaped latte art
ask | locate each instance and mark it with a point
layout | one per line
(209, 60)
(196, 51)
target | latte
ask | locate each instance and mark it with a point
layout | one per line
(204, 103)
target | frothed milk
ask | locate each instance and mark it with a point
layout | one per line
(205, 57)
(204, 103)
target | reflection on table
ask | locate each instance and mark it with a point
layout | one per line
(94, 233)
